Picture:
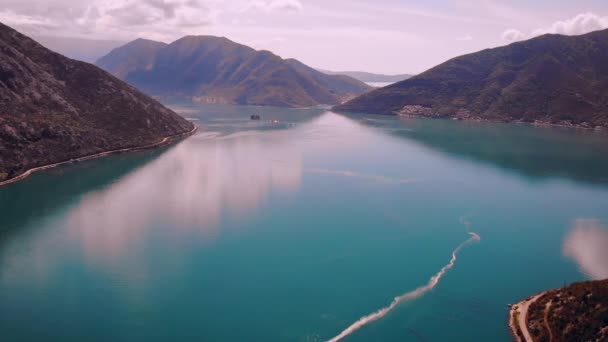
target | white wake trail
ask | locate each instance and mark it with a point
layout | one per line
(407, 296)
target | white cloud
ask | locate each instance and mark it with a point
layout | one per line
(273, 6)
(11, 18)
(580, 24)
(285, 5)
(267, 44)
(431, 14)
(513, 35)
(110, 18)
(587, 244)
(465, 38)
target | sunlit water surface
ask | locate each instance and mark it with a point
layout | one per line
(294, 230)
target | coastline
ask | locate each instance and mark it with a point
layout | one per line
(577, 312)
(518, 315)
(538, 123)
(541, 124)
(162, 142)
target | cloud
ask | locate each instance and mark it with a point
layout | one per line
(155, 13)
(110, 18)
(587, 245)
(513, 35)
(203, 184)
(285, 5)
(464, 38)
(417, 12)
(11, 18)
(273, 6)
(580, 24)
(267, 44)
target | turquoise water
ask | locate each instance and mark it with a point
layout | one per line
(292, 231)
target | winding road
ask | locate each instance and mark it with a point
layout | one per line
(522, 309)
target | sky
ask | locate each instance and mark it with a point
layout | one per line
(383, 36)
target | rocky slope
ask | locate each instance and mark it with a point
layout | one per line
(549, 79)
(578, 312)
(54, 109)
(216, 70)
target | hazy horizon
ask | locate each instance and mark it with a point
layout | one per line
(390, 37)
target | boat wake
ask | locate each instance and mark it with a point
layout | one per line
(412, 294)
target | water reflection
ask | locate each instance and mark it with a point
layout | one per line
(190, 188)
(536, 152)
(587, 244)
(24, 204)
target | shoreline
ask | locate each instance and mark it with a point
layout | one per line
(518, 315)
(164, 141)
(540, 124)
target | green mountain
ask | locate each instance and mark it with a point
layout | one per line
(549, 79)
(216, 70)
(53, 109)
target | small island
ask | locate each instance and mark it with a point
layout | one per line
(578, 312)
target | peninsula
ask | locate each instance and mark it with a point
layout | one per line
(578, 312)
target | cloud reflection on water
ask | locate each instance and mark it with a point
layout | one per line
(587, 244)
(192, 187)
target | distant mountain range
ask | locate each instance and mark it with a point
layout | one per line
(369, 77)
(82, 49)
(550, 79)
(216, 70)
(54, 109)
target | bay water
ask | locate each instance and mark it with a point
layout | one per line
(297, 226)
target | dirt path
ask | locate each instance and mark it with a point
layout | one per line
(96, 155)
(521, 311)
(546, 319)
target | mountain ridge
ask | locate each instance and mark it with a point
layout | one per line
(214, 69)
(551, 79)
(145, 48)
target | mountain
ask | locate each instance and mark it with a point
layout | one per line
(334, 83)
(369, 77)
(82, 49)
(549, 79)
(137, 55)
(216, 70)
(53, 109)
